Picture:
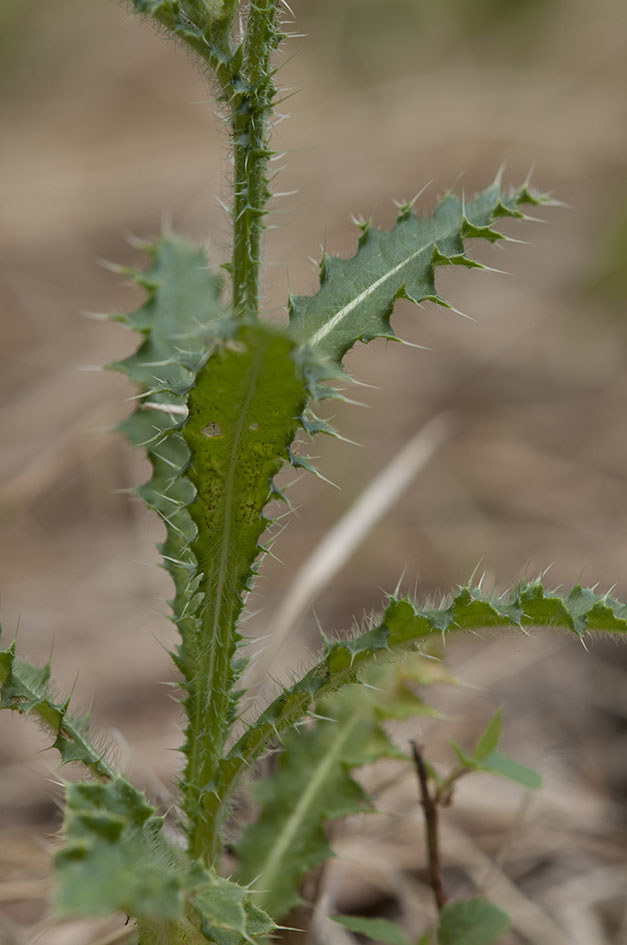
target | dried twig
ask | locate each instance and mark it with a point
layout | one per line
(430, 809)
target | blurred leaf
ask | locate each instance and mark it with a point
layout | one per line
(380, 930)
(490, 737)
(471, 922)
(463, 757)
(498, 763)
(115, 858)
(312, 784)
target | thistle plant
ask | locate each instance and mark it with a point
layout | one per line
(223, 395)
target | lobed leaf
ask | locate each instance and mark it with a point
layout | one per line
(405, 626)
(246, 386)
(220, 403)
(26, 689)
(116, 858)
(313, 784)
(228, 913)
(357, 295)
(182, 323)
(203, 25)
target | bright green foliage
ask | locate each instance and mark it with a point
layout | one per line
(380, 930)
(357, 295)
(498, 763)
(489, 738)
(313, 784)
(485, 757)
(471, 922)
(26, 689)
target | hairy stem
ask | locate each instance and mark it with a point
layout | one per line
(251, 105)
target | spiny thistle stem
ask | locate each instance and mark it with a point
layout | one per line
(251, 105)
(245, 78)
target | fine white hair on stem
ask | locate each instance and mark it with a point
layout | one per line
(341, 541)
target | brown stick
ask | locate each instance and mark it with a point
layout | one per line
(431, 824)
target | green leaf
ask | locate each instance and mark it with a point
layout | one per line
(471, 922)
(490, 738)
(406, 626)
(498, 763)
(357, 295)
(205, 26)
(243, 414)
(312, 785)
(466, 760)
(114, 857)
(182, 323)
(380, 930)
(220, 404)
(229, 914)
(26, 689)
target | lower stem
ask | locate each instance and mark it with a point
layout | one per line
(431, 828)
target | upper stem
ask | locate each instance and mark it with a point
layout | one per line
(251, 107)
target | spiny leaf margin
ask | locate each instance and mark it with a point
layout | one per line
(26, 689)
(405, 626)
(116, 858)
(357, 295)
(313, 782)
(251, 395)
(182, 323)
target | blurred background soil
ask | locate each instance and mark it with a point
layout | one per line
(107, 133)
